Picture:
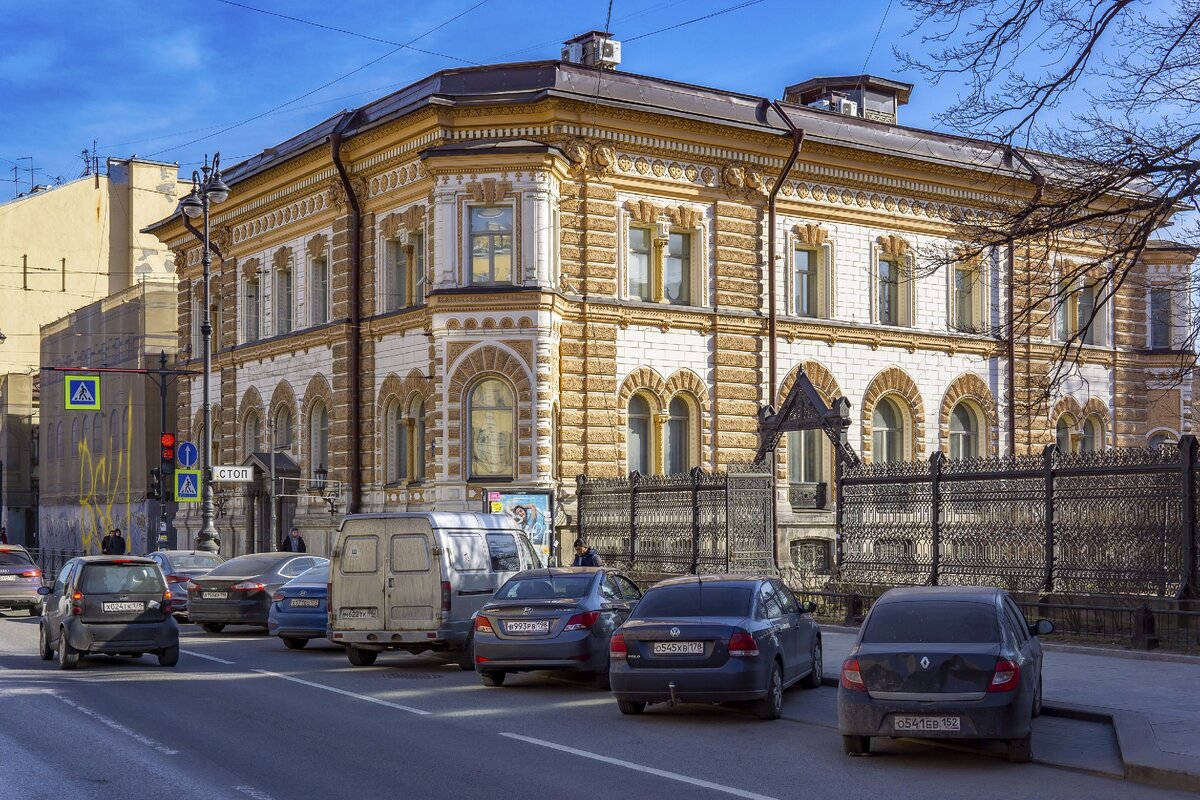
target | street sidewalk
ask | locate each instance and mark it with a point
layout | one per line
(1153, 705)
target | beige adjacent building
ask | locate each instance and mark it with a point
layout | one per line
(503, 277)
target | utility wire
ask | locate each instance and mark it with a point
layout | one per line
(737, 7)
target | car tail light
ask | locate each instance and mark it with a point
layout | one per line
(77, 602)
(248, 586)
(483, 625)
(178, 579)
(481, 659)
(742, 644)
(617, 647)
(277, 597)
(193, 587)
(166, 602)
(31, 573)
(445, 595)
(582, 621)
(1006, 677)
(852, 676)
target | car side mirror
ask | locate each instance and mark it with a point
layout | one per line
(1042, 627)
(45, 590)
(808, 607)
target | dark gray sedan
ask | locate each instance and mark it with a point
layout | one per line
(559, 618)
(179, 567)
(20, 580)
(943, 662)
(238, 592)
(715, 639)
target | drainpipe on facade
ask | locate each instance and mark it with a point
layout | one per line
(1012, 351)
(335, 141)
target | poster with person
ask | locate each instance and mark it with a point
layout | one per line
(531, 510)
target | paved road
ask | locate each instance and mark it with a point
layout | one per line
(240, 717)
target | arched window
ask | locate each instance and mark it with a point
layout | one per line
(396, 445)
(1093, 435)
(1062, 433)
(1157, 441)
(251, 432)
(282, 429)
(214, 456)
(679, 437)
(85, 435)
(964, 433)
(490, 415)
(887, 432)
(114, 430)
(318, 442)
(416, 454)
(98, 434)
(58, 441)
(638, 439)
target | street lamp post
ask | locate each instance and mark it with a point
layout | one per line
(207, 189)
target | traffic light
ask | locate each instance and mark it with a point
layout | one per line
(155, 490)
(167, 447)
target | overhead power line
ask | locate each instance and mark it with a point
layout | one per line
(737, 7)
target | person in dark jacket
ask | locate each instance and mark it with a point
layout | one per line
(586, 556)
(113, 544)
(294, 543)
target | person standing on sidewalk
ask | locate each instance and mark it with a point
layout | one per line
(294, 543)
(3, 535)
(586, 556)
(113, 544)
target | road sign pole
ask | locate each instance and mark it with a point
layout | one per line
(162, 428)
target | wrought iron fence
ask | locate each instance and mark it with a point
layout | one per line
(1115, 522)
(51, 560)
(660, 525)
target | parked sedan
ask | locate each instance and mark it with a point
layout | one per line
(298, 609)
(715, 639)
(20, 580)
(943, 662)
(238, 592)
(179, 567)
(559, 618)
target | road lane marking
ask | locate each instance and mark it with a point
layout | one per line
(112, 723)
(209, 658)
(661, 773)
(364, 697)
(252, 793)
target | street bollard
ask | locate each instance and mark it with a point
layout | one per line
(1144, 637)
(854, 609)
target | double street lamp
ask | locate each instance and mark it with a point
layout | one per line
(207, 189)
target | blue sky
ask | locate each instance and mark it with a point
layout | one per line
(152, 78)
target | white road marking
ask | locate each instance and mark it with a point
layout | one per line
(116, 726)
(208, 658)
(364, 697)
(662, 773)
(254, 794)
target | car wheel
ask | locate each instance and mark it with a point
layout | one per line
(294, 643)
(361, 657)
(493, 678)
(169, 656)
(771, 706)
(35, 611)
(213, 627)
(813, 681)
(1020, 751)
(44, 649)
(68, 657)
(856, 745)
(1037, 699)
(633, 707)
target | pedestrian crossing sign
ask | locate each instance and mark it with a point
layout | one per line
(187, 486)
(83, 393)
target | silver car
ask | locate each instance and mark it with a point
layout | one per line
(20, 580)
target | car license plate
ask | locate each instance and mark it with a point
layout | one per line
(116, 607)
(358, 613)
(527, 626)
(302, 603)
(917, 724)
(8, 577)
(215, 595)
(678, 648)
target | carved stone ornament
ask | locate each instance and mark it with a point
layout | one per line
(413, 217)
(336, 193)
(282, 260)
(576, 151)
(317, 245)
(389, 226)
(250, 268)
(180, 256)
(489, 190)
(810, 235)
(733, 177)
(604, 158)
(685, 217)
(222, 237)
(643, 212)
(892, 246)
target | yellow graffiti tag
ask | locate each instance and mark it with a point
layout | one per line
(101, 476)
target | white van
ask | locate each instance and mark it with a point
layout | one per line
(412, 580)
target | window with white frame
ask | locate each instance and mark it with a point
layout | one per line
(284, 297)
(677, 269)
(639, 434)
(1162, 324)
(252, 309)
(805, 457)
(889, 292)
(807, 280)
(679, 447)
(640, 264)
(964, 432)
(318, 291)
(968, 310)
(887, 432)
(1093, 435)
(491, 245)
(404, 279)
(318, 432)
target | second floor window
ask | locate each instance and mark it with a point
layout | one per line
(806, 283)
(889, 292)
(677, 269)
(1161, 324)
(252, 307)
(966, 289)
(284, 294)
(318, 292)
(491, 245)
(404, 282)
(640, 261)
(1078, 318)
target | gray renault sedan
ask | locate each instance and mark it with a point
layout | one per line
(559, 618)
(715, 639)
(943, 662)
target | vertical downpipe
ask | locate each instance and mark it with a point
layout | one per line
(335, 140)
(1011, 351)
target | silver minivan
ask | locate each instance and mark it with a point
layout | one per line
(413, 580)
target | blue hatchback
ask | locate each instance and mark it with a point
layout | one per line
(298, 608)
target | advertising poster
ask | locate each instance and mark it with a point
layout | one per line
(531, 509)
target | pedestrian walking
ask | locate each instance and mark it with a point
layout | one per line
(113, 544)
(586, 556)
(3, 535)
(295, 542)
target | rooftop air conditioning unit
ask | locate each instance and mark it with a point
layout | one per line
(846, 107)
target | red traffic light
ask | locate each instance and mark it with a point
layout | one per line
(167, 440)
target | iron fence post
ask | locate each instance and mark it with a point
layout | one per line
(838, 516)
(696, 472)
(580, 493)
(634, 478)
(1190, 583)
(1048, 486)
(935, 476)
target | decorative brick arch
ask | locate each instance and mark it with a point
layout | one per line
(1067, 405)
(969, 387)
(1098, 408)
(393, 389)
(251, 404)
(818, 375)
(318, 389)
(684, 380)
(284, 395)
(642, 379)
(895, 382)
(472, 366)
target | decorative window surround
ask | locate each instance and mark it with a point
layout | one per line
(816, 240)
(661, 222)
(896, 251)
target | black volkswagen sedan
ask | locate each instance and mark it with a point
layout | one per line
(238, 592)
(559, 618)
(715, 639)
(943, 662)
